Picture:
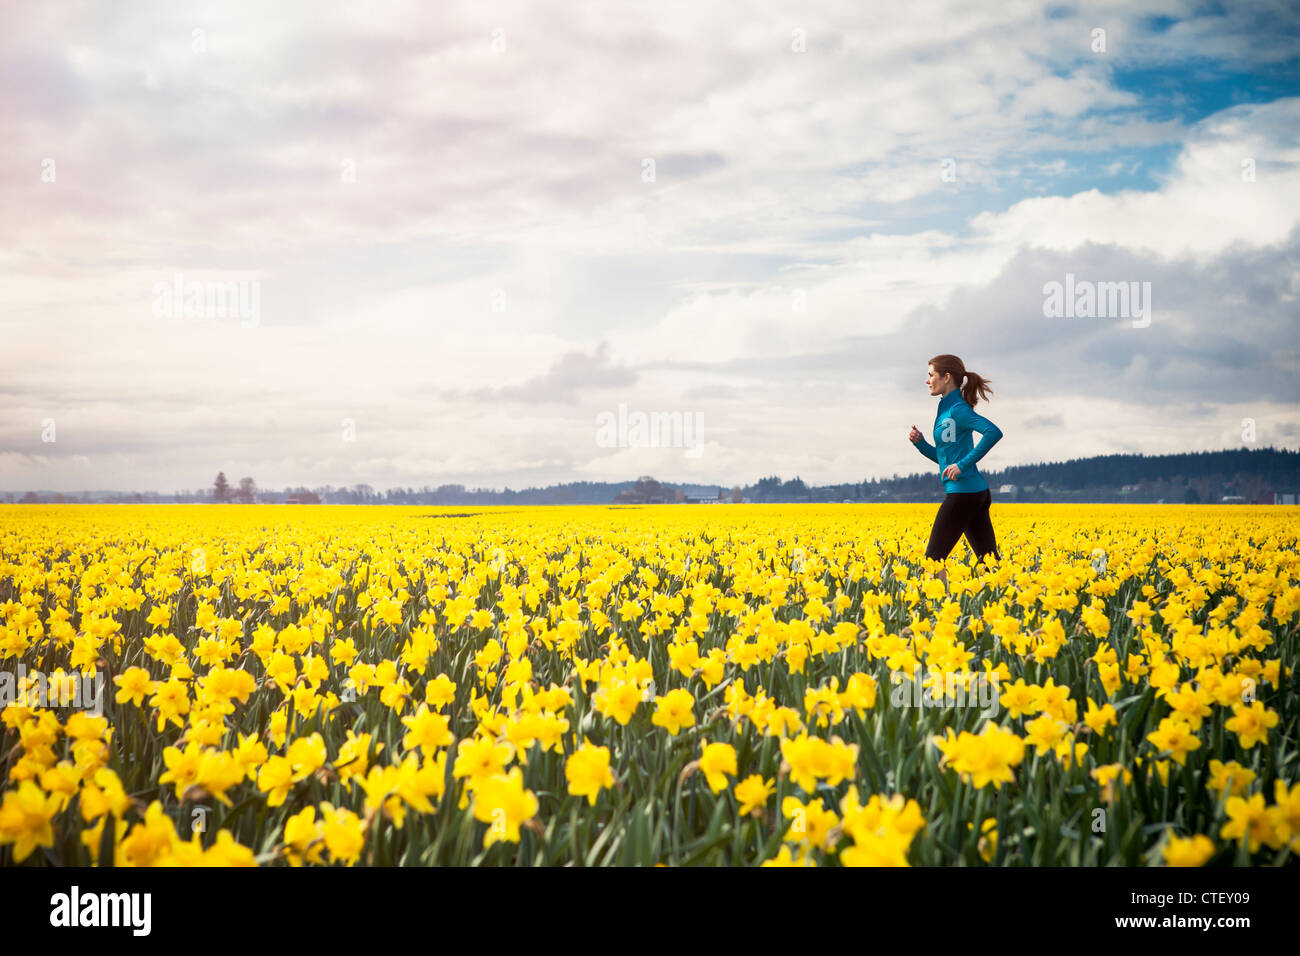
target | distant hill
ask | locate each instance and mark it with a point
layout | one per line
(1251, 474)
(1192, 477)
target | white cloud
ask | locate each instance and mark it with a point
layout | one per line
(1205, 205)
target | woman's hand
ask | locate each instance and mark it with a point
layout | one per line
(914, 435)
(951, 472)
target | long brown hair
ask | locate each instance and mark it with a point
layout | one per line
(975, 386)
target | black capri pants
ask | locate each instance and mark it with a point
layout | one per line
(963, 512)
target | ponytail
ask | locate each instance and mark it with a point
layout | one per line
(975, 388)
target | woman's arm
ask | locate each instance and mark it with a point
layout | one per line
(926, 449)
(990, 434)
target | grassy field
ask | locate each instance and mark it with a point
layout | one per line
(717, 685)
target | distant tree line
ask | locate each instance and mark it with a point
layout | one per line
(1251, 474)
(1192, 477)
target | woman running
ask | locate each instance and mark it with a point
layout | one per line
(965, 508)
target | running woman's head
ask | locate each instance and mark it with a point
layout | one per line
(948, 372)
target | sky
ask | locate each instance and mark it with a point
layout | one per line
(423, 244)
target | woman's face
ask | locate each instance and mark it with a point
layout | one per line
(937, 382)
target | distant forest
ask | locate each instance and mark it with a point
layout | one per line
(1251, 475)
(1188, 478)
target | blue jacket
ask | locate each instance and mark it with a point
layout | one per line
(953, 425)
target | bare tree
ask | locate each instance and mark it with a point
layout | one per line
(247, 490)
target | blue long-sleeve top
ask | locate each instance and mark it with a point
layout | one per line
(953, 424)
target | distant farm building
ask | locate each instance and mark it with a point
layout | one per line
(704, 494)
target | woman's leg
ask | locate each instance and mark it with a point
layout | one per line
(979, 529)
(949, 524)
